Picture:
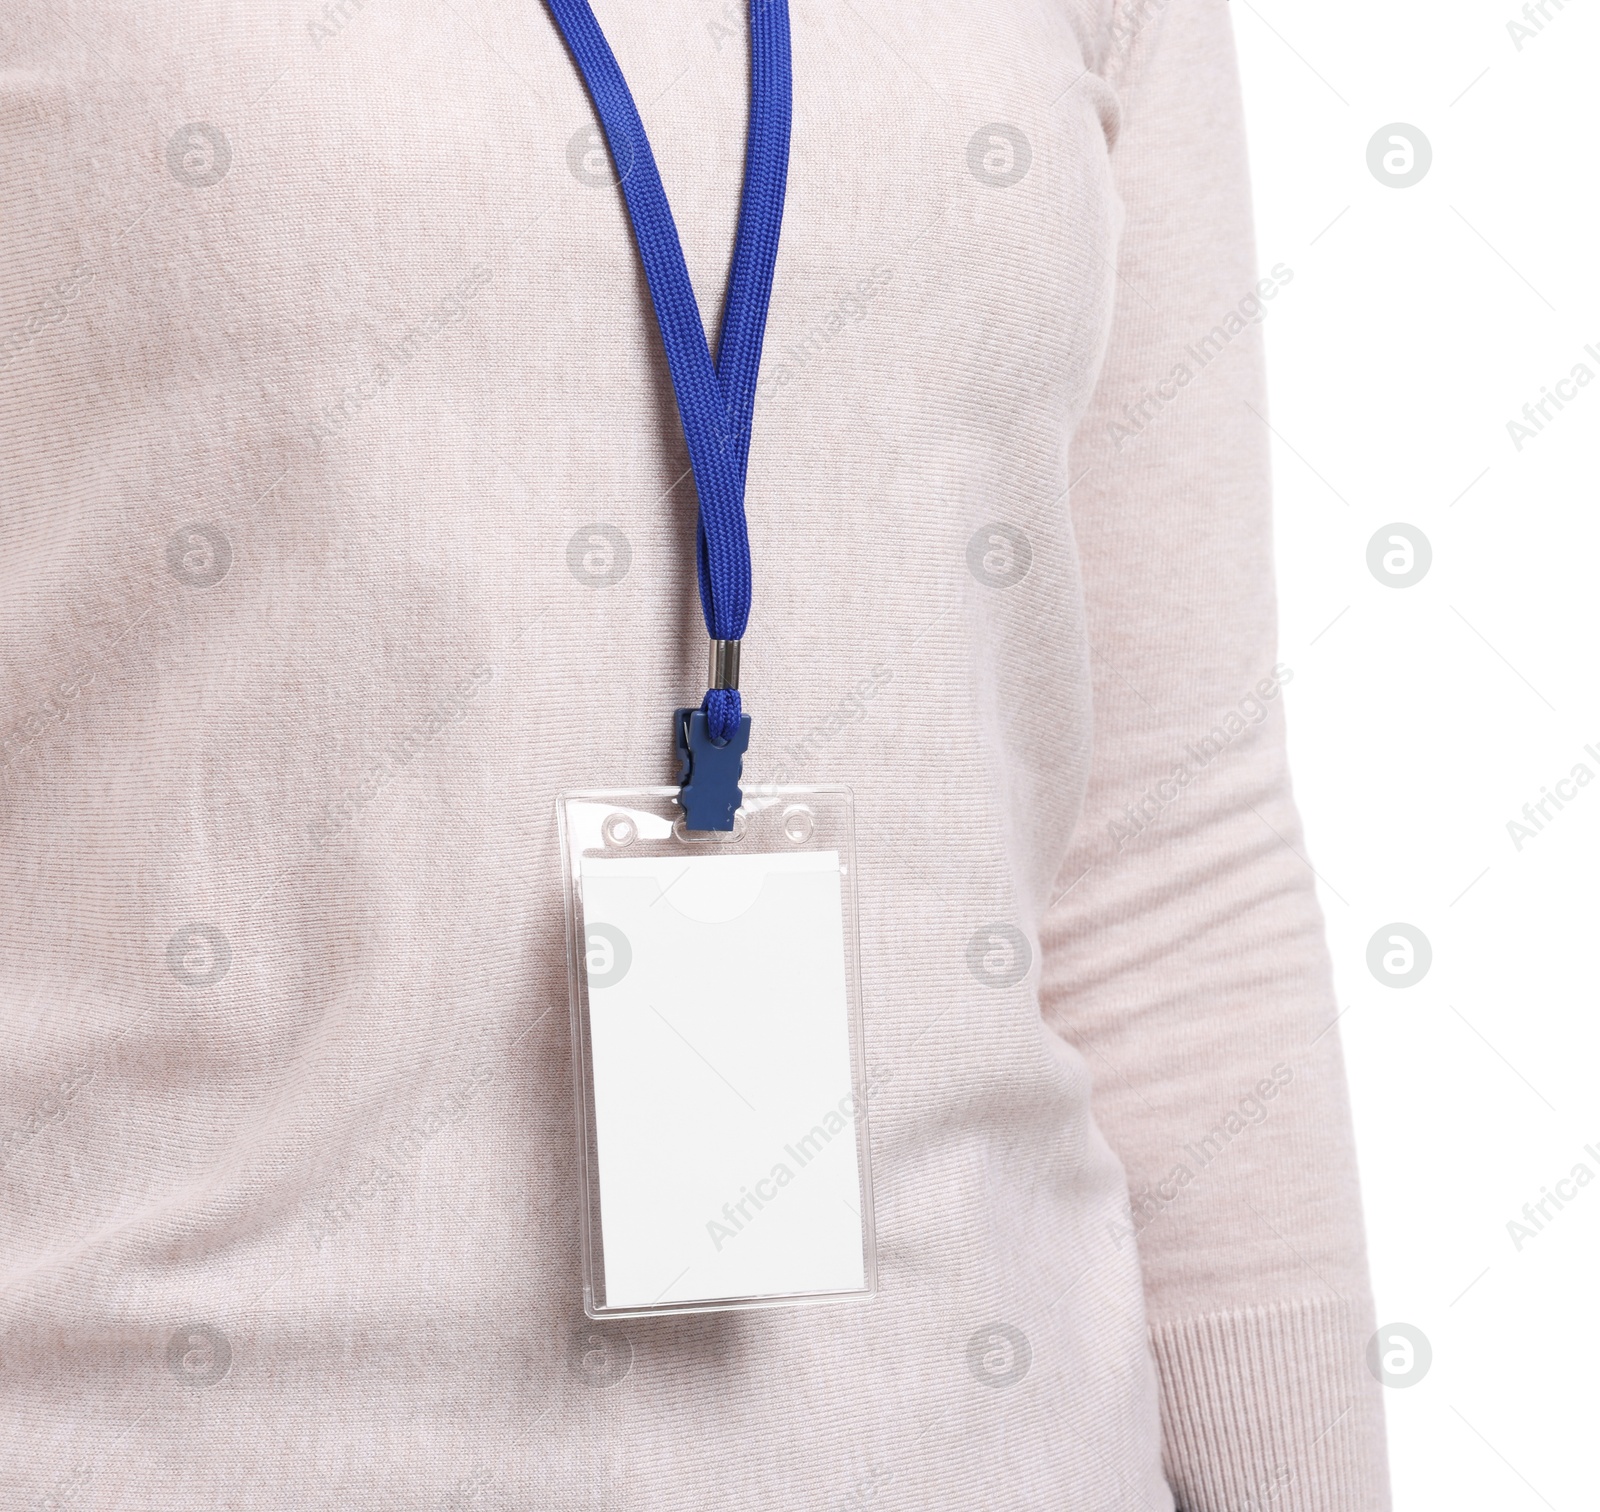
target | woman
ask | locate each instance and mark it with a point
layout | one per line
(350, 520)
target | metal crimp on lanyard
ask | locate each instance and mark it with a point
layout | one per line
(709, 770)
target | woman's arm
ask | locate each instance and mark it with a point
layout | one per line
(1185, 954)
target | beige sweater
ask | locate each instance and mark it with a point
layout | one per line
(345, 524)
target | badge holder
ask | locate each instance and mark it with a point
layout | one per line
(717, 1044)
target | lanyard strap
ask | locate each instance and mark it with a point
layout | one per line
(716, 401)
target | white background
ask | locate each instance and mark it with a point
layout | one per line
(1422, 719)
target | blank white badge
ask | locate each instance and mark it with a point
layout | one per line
(725, 1120)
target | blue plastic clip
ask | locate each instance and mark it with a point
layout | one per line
(709, 773)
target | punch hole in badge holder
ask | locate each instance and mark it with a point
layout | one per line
(721, 1082)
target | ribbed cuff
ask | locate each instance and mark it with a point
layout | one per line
(1272, 1409)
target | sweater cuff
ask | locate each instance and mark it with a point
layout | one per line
(1272, 1409)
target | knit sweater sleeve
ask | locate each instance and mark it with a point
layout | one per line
(1185, 955)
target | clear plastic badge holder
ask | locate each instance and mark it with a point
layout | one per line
(717, 1046)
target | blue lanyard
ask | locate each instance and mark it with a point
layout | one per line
(715, 400)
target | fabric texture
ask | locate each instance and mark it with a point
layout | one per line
(345, 522)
